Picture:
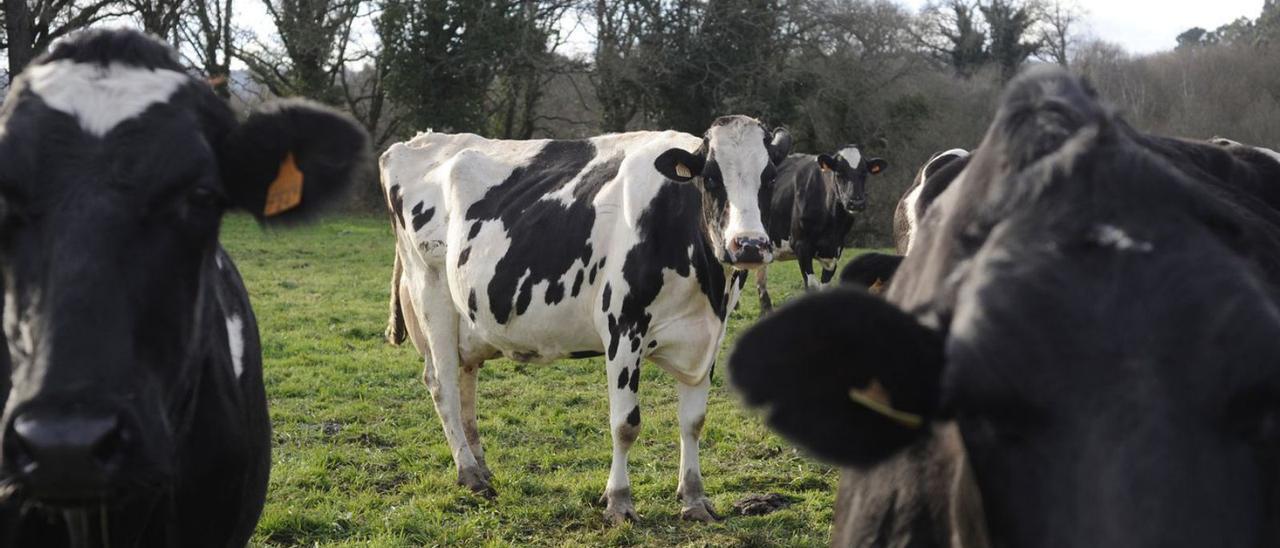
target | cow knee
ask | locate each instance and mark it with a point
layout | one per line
(694, 427)
(628, 430)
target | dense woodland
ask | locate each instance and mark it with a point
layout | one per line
(901, 84)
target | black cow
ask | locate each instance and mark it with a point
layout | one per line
(931, 180)
(137, 414)
(812, 210)
(1093, 311)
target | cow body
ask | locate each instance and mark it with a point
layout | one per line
(812, 210)
(1055, 316)
(545, 250)
(134, 407)
(930, 181)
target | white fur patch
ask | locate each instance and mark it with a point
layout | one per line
(101, 97)
(1113, 236)
(1269, 152)
(852, 155)
(235, 341)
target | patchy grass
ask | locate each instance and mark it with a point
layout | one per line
(360, 458)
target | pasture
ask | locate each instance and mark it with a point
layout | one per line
(359, 457)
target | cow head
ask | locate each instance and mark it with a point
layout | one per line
(115, 171)
(735, 168)
(1097, 318)
(850, 171)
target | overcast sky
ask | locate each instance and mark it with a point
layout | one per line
(1145, 26)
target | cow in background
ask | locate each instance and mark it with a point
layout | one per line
(137, 414)
(812, 210)
(619, 245)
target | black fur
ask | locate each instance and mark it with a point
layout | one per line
(868, 269)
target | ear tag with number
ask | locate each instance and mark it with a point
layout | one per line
(285, 192)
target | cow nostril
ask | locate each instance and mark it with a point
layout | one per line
(107, 450)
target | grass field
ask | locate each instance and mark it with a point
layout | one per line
(360, 458)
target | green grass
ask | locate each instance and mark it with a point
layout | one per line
(360, 459)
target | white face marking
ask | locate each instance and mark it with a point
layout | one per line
(853, 156)
(1116, 237)
(101, 97)
(1275, 155)
(740, 152)
(235, 340)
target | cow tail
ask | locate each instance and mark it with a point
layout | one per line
(396, 331)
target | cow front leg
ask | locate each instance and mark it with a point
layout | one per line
(694, 504)
(624, 427)
(441, 374)
(828, 270)
(762, 288)
(805, 261)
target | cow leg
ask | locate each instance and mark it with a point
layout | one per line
(624, 426)
(805, 260)
(828, 270)
(762, 287)
(694, 504)
(441, 374)
(467, 385)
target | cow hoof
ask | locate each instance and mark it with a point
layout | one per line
(699, 509)
(618, 507)
(478, 481)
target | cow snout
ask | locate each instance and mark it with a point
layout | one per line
(60, 456)
(856, 204)
(749, 252)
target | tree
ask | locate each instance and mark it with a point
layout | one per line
(1010, 23)
(1194, 37)
(1058, 32)
(207, 31)
(953, 33)
(314, 36)
(624, 30)
(158, 17)
(31, 26)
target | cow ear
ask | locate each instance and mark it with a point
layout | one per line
(843, 374)
(679, 164)
(780, 147)
(871, 271)
(826, 162)
(876, 166)
(291, 159)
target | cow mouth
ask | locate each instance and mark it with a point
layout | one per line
(88, 522)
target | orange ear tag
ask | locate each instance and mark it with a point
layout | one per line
(285, 192)
(683, 171)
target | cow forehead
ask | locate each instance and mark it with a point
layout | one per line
(100, 96)
(852, 155)
(738, 146)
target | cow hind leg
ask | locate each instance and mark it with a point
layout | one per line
(467, 383)
(442, 373)
(762, 287)
(624, 428)
(828, 270)
(694, 504)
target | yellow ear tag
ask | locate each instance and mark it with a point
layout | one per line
(876, 287)
(683, 171)
(285, 192)
(876, 398)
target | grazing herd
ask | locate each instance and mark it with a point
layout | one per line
(1075, 343)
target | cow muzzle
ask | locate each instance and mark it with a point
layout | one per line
(855, 205)
(62, 457)
(749, 252)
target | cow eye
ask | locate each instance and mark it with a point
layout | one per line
(202, 196)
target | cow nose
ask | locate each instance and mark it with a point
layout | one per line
(748, 251)
(64, 456)
(857, 204)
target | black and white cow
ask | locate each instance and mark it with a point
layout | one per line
(933, 178)
(136, 414)
(543, 250)
(812, 210)
(1081, 348)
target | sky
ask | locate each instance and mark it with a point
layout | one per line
(1147, 26)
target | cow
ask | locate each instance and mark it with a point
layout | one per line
(812, 210)
(134, 407)
(621, 245)
(1080, 349)
(930, 181)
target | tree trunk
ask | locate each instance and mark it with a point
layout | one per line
(20, 32)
